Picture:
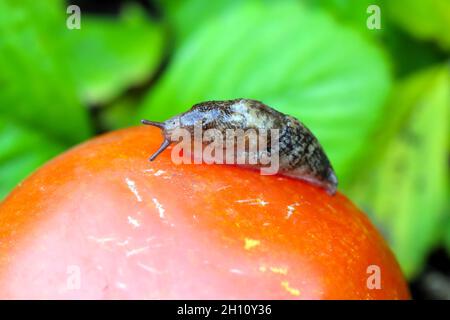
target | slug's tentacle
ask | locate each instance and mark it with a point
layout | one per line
(154, 123)
(165, 143)
(163, 147)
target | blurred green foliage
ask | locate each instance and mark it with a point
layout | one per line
(405, 188)
(110, 54)
(427, 20)
(377, 99)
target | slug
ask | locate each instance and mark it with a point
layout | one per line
(300, 154)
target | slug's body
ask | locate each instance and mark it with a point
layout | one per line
(300, 154)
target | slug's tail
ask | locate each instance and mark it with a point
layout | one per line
(331, 182)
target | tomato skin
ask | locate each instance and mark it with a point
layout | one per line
(102, 222)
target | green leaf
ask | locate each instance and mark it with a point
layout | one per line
(119, 114)
(47, 71)
(21, 151)
(427, 20)
(107, 55)
(35, 87)
(446, 238)
(186, 17)
(351, 12)
(40, 112)
(331, 79)
(391, 36)
(405, 189)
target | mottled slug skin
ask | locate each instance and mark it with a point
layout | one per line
(300, 154)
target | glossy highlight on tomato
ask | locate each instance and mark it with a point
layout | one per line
(102, 222)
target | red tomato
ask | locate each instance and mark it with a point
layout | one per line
(102, 222)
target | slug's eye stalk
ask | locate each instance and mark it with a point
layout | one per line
(163, 147)
(154, 123)
(165, 143)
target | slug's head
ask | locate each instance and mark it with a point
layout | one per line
(202, 114)
(167, 127)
